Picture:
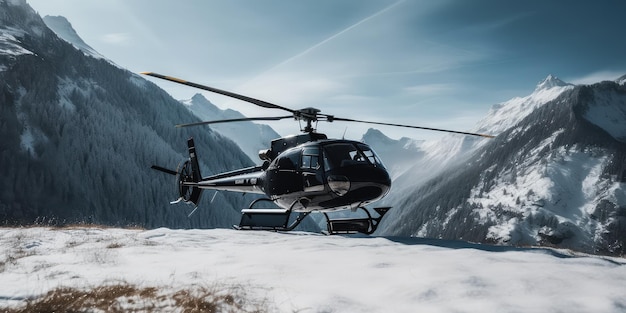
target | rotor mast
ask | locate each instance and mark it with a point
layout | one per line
(308, 115)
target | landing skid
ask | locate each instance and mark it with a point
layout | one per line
(269, 219)
(279, 220)
(276, 220)
(366, 225)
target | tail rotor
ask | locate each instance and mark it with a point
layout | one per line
(187, 177)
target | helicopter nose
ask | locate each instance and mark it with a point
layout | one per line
(374, 186)
(380, 179)
(366, 184)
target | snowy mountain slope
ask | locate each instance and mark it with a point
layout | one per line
(13, 29)
(10, 43)
(451, 150)
(310, 272)
(79, 136)
(62, 27)
(250, 137)
(607, 110)
(554, 177)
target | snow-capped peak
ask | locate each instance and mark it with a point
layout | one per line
(506, 114)
(373, 134)
(550, 82)
(621, 80)
(199, 96)
(199, 100)
(63, 28)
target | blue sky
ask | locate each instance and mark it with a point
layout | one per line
(430, 63)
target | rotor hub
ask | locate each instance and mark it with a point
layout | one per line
(308, 115)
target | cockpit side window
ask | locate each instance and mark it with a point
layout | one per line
(289, 160)
(310, 158)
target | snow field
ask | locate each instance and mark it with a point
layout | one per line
(314, 273)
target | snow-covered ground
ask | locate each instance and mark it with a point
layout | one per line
(307, 272)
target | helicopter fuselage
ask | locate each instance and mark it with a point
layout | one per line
(318, 175)
(327, 174)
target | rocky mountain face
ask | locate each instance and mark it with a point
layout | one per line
(79, 135)
(555, 175)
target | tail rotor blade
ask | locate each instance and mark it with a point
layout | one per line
(164, 170)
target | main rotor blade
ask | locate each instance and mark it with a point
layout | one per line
(258, 102)
(411, 126)
(271, 118)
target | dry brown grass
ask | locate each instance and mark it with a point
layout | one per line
(114, 245)
(14, 252)
(124, 297)
(75, 225)
(94, 226)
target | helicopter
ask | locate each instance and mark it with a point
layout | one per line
(300, 174)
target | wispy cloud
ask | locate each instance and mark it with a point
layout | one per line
(596, 77)
(294, 92)
(328, 39)
(430, 89)
(116, 38)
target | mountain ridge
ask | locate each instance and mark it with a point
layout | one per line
(80, 135)
(552, 178)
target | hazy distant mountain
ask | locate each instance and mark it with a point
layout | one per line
(79, 135)
(555, 175)
(397, 155)
(251, 137)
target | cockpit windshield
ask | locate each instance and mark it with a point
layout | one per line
(346, 154)
(370, 155)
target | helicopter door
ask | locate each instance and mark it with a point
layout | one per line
(285, 173)
(312, 173)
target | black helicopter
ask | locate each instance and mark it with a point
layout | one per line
(300, 174)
